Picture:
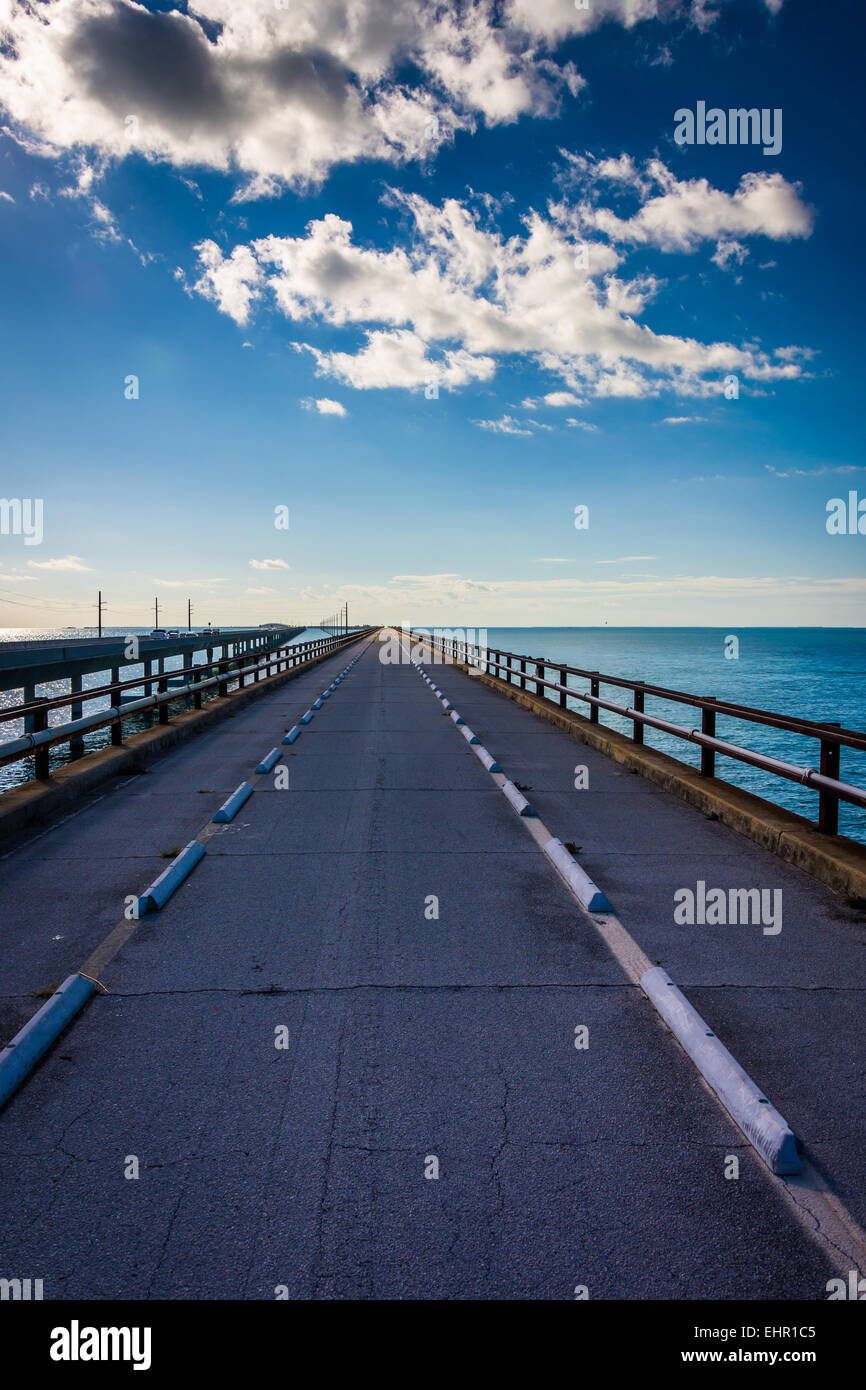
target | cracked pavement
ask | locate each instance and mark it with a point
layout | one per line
(302, 1168)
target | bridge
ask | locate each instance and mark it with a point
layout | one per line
(28, 664)
(383, 985)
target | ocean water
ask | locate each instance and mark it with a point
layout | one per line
(16, 773)
(809, 673)
(813, 673)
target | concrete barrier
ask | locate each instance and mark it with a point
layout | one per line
(771, 1135)
(580, 883)
(517, 799)
(486, 758)
(159, 892)
(29, 1045)
(269, 760)
(233, 804)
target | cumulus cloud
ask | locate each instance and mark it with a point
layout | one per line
(561, 398)
(269, 565)
(677, 215)
(447, 307)
(325, 406)
(278, 94)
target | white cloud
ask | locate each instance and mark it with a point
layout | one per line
(6, 197)
(505, 425)
(261, 590)
(660, 599)
(677, 215)
(399, 358)
(728, 250)
(325, 406)
(683, 420)
(269, 565)
(581, 425)
(553, 20)
(67, 562)
(463, 295)
(816, 472)
(279, 95)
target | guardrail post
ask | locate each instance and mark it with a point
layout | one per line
(637, 733)
(76, 710)
(708, 755)
(162, 687)
(40, 722)
(539, 677)
(828, 802)
(563, 680)
(523, 675)
(593, 690)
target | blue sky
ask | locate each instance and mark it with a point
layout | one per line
(294, 227)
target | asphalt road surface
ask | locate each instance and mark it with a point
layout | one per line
(387, 920)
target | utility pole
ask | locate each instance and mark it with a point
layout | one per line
(99, 611)
(189, 615)
(156, 613)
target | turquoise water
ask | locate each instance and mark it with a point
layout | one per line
(810, 673)
(813, 673)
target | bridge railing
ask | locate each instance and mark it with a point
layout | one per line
(525, 671)
(233, 671)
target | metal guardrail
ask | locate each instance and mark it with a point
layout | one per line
(514, 668)
(234, 670)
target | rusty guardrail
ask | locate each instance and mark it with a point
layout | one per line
(514, 668)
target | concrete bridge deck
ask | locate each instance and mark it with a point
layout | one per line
(409, 1037)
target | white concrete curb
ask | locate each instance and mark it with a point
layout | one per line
(517, 799)
(580, 883)
(758, 1119)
